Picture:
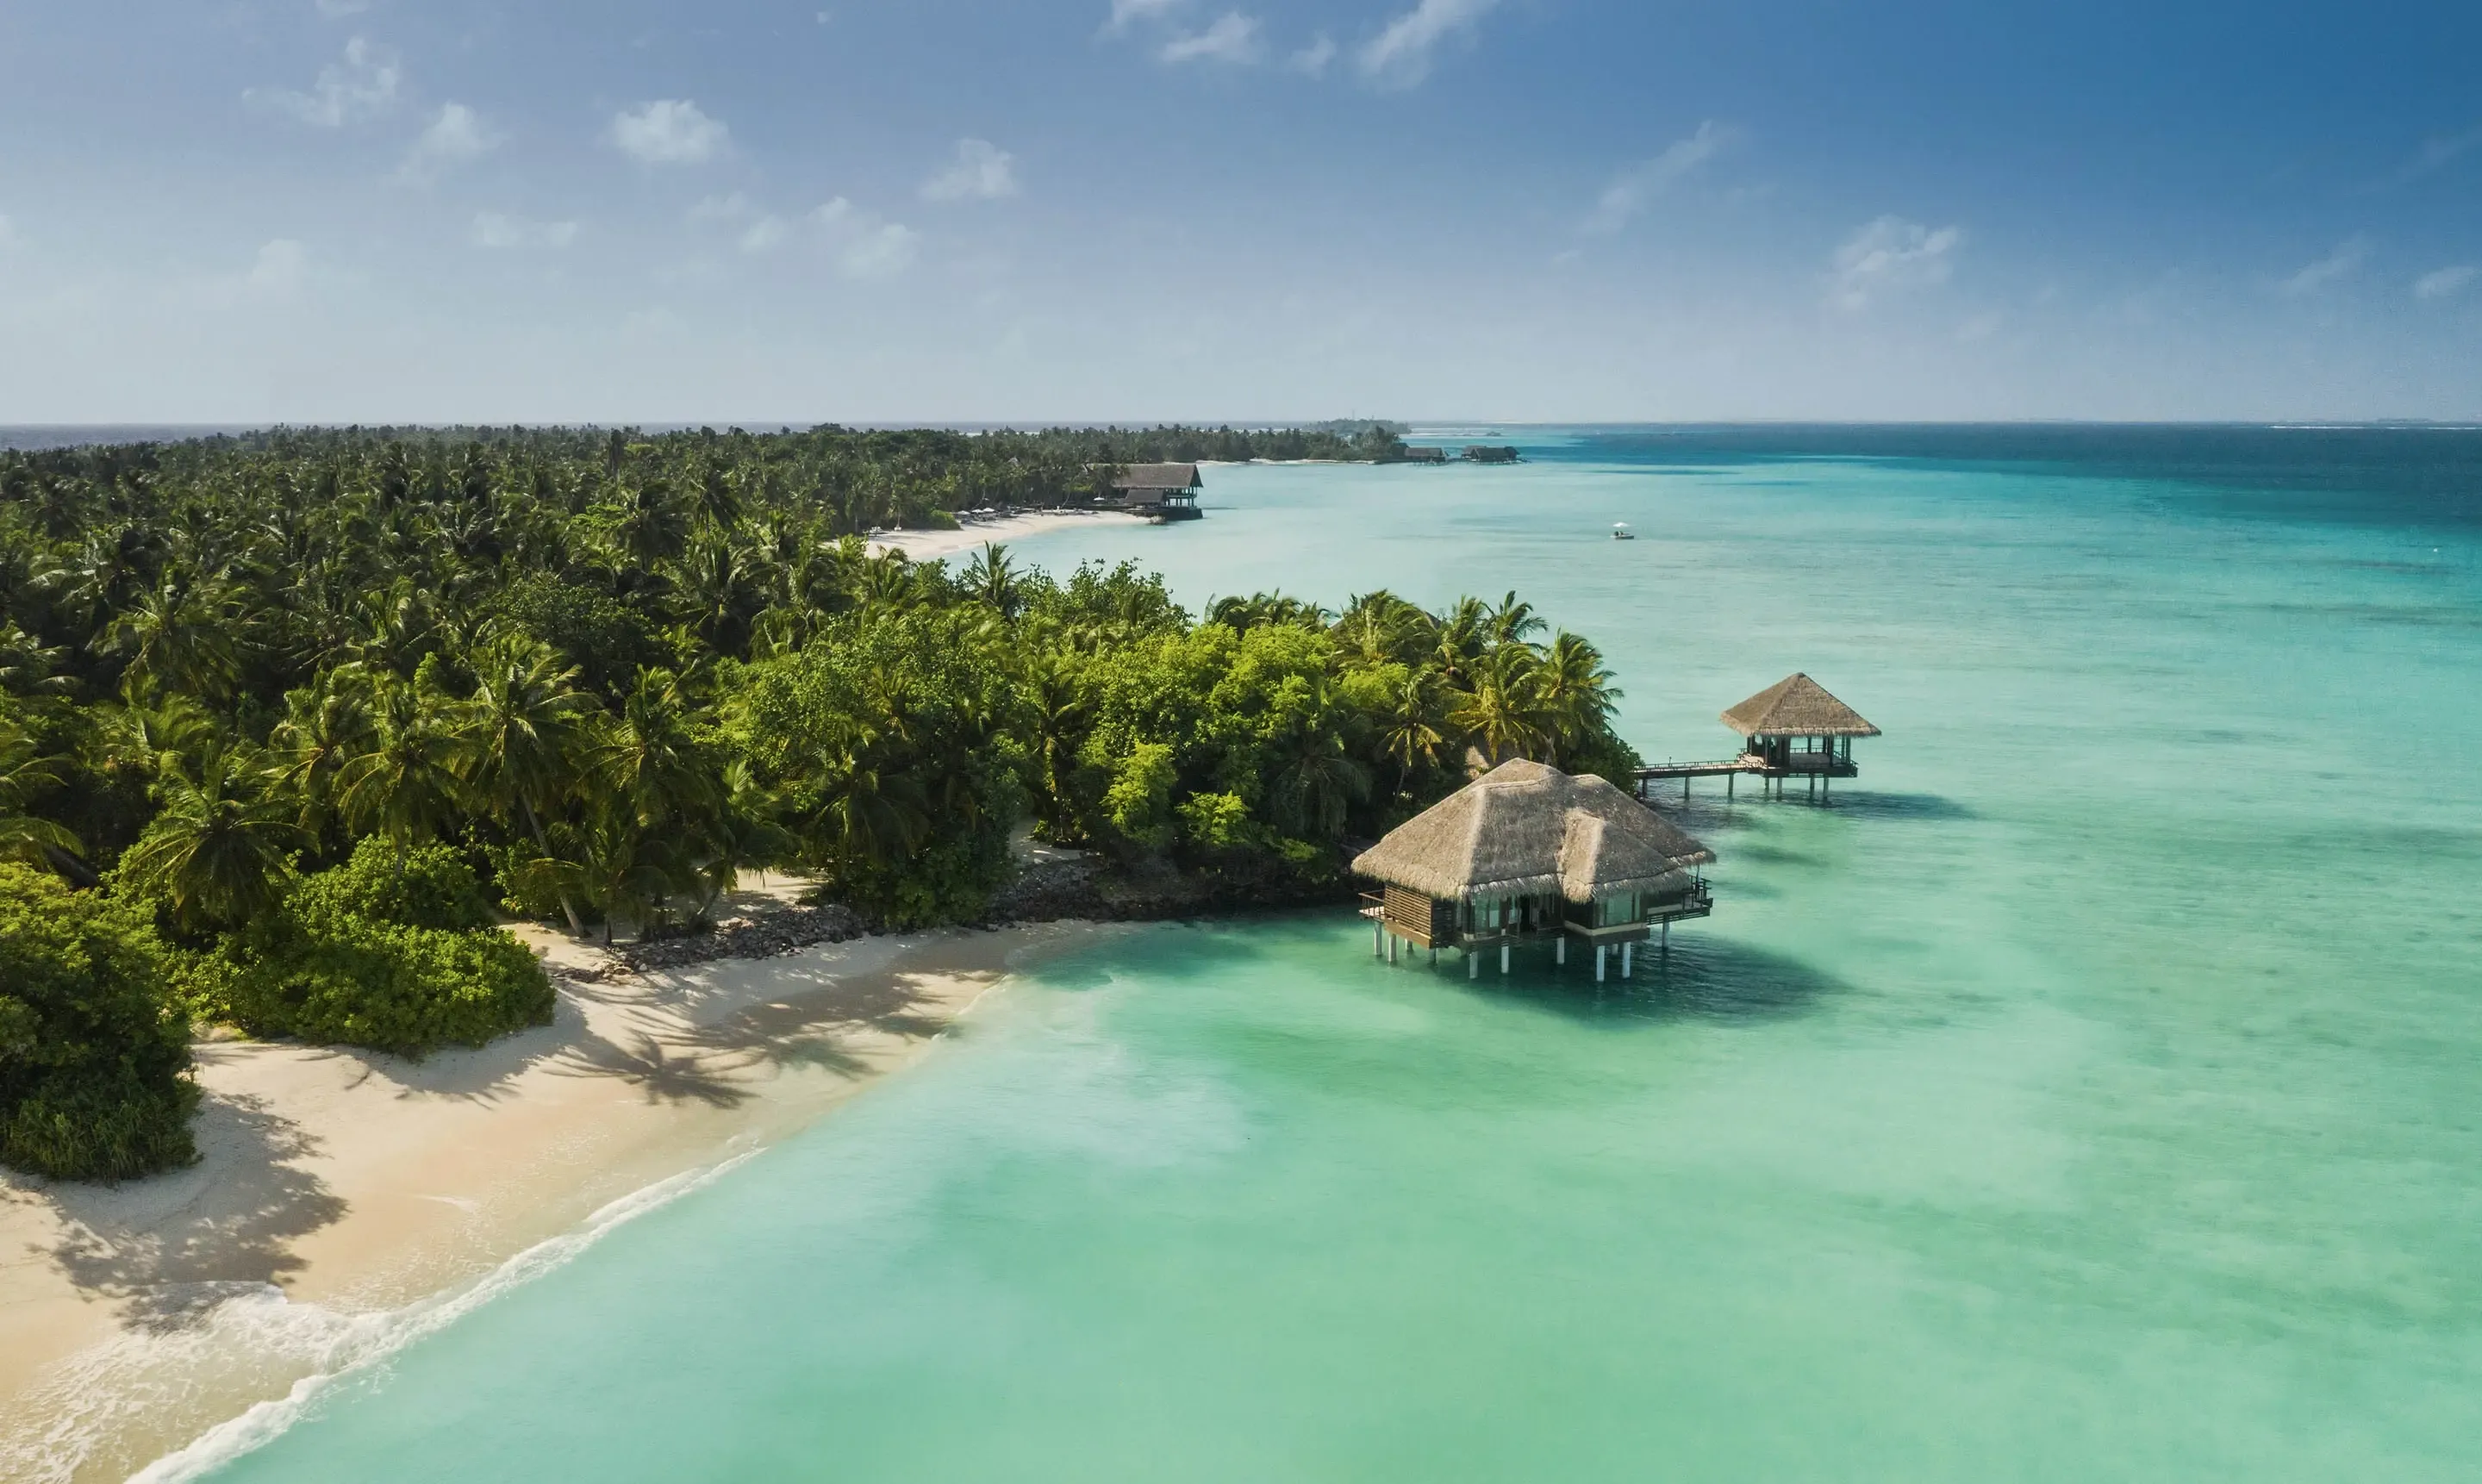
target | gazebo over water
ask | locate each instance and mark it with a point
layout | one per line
(1527, 852)
(1794, 728)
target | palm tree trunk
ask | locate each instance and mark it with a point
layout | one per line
(576, 927)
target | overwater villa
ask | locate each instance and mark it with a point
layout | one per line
(1794, 728)
(1526, 852)
(1158, 491)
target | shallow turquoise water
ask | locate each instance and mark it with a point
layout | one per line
(2089, 1093)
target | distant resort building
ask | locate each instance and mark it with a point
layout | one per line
(1488, 453)
(1159, 491)
(1417, 453)
(1526, 852)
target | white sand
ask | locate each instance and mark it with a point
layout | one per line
(926, 545)
(355, 1183)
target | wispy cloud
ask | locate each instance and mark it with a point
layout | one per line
(1635, 188)
(981, 172)
(278, 267)
(333, 8)
(1890, 255)
(362, 86)
(1233, 37)
(1313, 60)
(1124, 11)
(457, 136)
(2348, 255)
(2437, 283)
(2436, 154)
(669, 132)
(1400, 56)
(863, 244)
(494, 230)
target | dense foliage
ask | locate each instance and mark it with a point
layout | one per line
(94, 1063)
(274, 687)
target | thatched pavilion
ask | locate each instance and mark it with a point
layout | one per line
(1159, 491)
(1794, 728)
(1526, 852)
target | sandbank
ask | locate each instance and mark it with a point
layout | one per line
(337, 1187)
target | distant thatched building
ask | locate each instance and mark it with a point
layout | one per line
(1488, 453)
(1795, 727)
(1528, 850)
(1161, 492)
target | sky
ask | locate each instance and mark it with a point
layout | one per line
(241, 211)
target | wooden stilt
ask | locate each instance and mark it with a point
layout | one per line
(1391, 947)
(1473, 965)
(1503, 958)
(1599, 950)
(1560, 949)
(1625, 959)
(1378, 929)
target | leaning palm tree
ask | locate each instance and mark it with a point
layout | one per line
(219, 851)
(519, 740)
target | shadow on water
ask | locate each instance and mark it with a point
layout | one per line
(1705, 818)
(1929, 808)
(1697, 978)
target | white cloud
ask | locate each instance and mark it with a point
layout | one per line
(669, 132)
(279, 267)
(1124, 12)
(1891, 255)
(1400, 56)
(493, 229)
(2314, 277)
(982, 172)
(764, 234)
(362, 86)
(457, 136)
(2437, 283)
(1635, 188)
(1233, 37)
(731, 207)
(863, 244)
(1312, 61)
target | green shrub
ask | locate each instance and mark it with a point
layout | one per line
(94, 1060)
(366, 955)
(430, 888)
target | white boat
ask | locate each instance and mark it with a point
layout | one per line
(1622, 532)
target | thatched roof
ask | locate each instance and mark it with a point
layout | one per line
(1797, 706)
(1157, 478)
(1524, 828)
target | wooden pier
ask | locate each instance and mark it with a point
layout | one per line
(1793, 729)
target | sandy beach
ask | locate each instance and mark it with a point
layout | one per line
(338, 1188)
(974, 531)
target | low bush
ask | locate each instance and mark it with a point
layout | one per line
(369, 954)
(95, 1058)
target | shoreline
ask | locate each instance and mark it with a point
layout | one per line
(931, 545)
(337, 1189)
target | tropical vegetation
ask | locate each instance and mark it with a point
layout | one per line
(294, 714)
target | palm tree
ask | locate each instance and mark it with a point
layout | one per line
(180, 633)
(218, 853)
(1499, 712)
(1514, 621)
(325, 724)
(650, 761)
(1573, 691)
(406, 786)
(1412, 736)
(24, 775)
(1317, 780)
(994, 581)
(518, 741)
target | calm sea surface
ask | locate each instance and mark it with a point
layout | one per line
(2092, 1092)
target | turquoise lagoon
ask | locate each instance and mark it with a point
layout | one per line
(2092, 1092)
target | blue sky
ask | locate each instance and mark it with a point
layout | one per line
(1490, 209)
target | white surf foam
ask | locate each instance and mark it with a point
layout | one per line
(109, 1388)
